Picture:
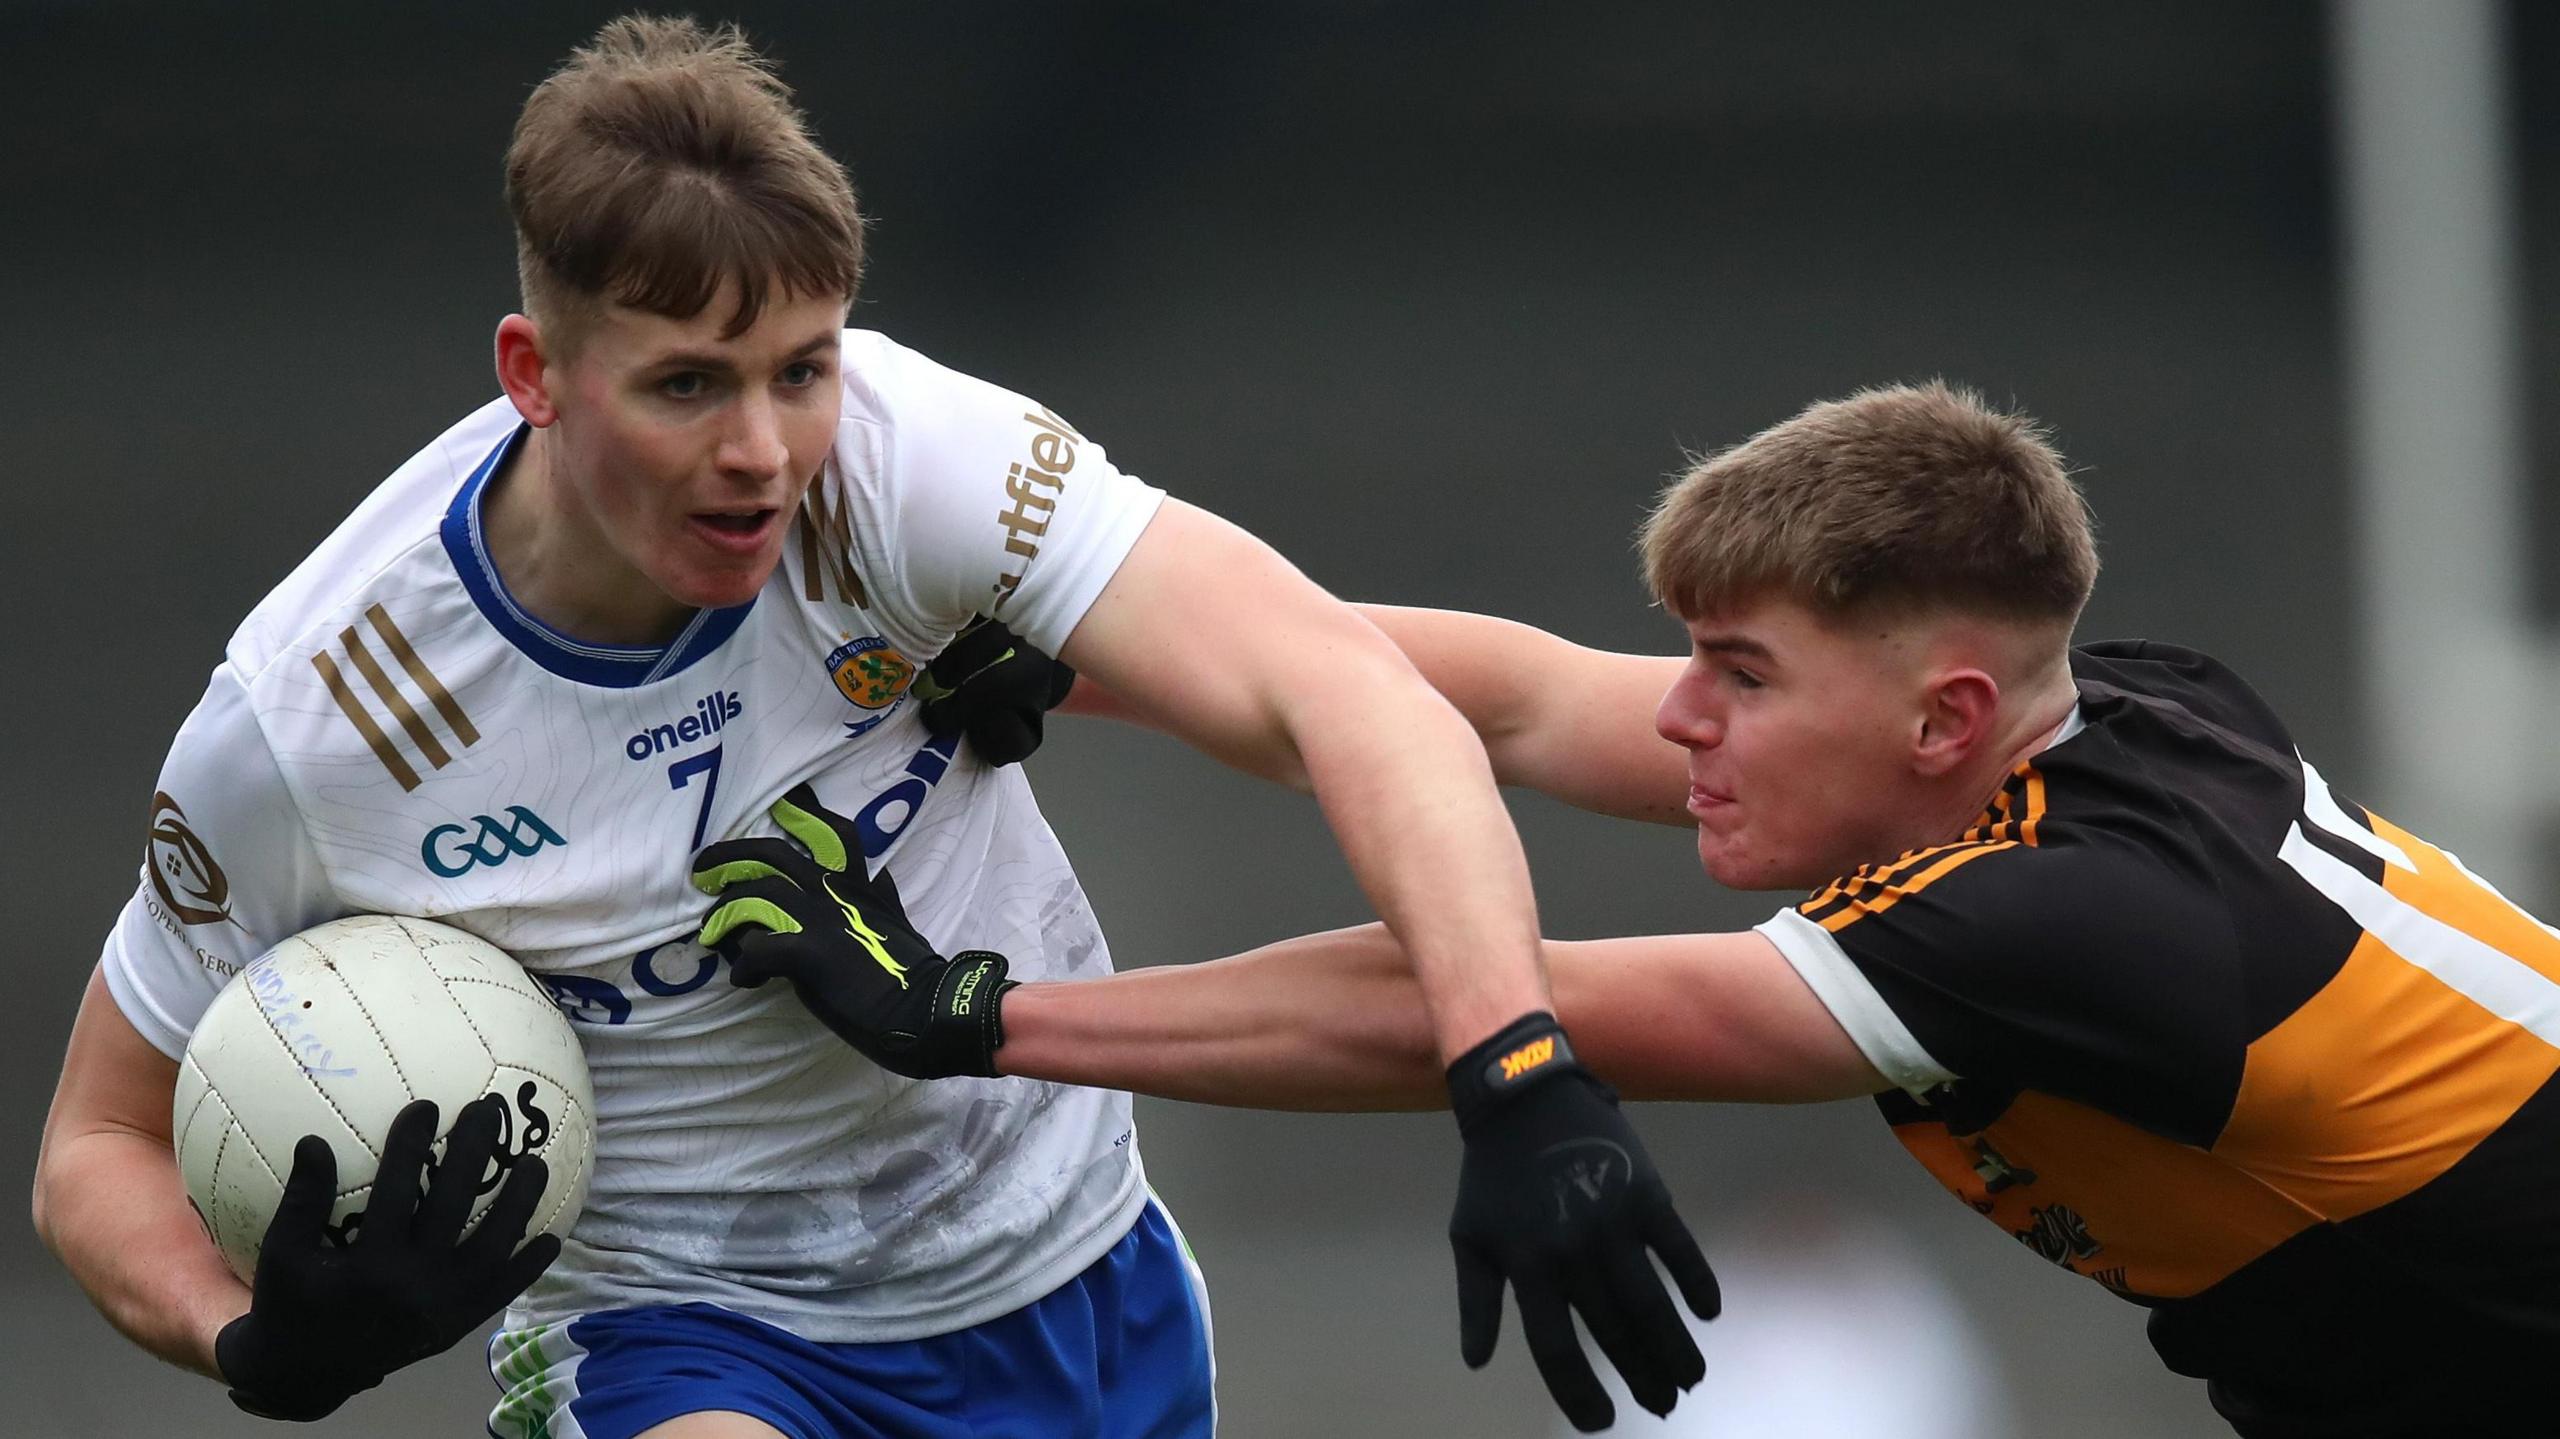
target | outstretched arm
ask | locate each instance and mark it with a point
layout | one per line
(1572, 723)
(1209, 635)
(1335, 1022)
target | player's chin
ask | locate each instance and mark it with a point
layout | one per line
(1737, 865)
(715, 568)
(718, 586)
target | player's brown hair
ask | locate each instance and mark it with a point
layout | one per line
(661, 160)
(1918, 495)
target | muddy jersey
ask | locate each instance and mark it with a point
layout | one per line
(2182, 1019)
(391, 732)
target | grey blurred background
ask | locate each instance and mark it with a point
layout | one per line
(1432, 297)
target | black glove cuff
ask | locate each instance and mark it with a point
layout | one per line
(1527, 1052)
(970, 1003)
(233, 1354)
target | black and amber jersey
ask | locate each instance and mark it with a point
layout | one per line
(2184, 1021)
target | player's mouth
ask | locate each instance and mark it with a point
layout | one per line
(734, 532)
(1704, 801)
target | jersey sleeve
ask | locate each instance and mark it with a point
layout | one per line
(2073, 971)
(990, 503)
(228, 871)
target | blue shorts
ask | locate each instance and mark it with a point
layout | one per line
(1119, 1352)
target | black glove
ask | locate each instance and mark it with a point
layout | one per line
(991, 686)
(1557, 1197)
(328, 1319)
(809, 913)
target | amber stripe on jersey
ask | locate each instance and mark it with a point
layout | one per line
(2371, 1090)
(2390, 1074)
(2010, 820)
(405, 714)
(2162, 1219)
(2014, 811)
(1879, 893)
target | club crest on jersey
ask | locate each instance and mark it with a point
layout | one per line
(873, 677)
(190, 885)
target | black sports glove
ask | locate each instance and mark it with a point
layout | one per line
(328, 1319)
(1557, 1197)
(809, 913)
(991, 686)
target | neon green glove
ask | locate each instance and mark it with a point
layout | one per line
(810, 913)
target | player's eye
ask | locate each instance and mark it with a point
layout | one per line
(1744, 679)
(685, 385)
(803, 374)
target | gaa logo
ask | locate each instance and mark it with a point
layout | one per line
(183, 874)
(871, 675)
(453, 850)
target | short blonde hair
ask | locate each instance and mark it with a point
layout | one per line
(662, 161)
(1905, 495)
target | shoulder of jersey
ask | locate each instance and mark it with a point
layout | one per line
(2191, 680)
(887, 384)
(389, 546)
(870, 363)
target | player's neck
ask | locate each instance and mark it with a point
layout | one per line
(2038, 722)
(557, 564)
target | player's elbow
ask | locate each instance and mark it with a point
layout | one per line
(43, 1206)
(1374, 690)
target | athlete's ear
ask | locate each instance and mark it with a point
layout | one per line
(524, 370)
(1956, 714)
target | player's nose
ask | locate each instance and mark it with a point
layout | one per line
(1686, 719)
(754, 445)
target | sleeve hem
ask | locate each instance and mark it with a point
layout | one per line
(1879, 1033)
(1057, 611)
(146, 1017)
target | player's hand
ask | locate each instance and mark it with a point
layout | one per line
(328, 1319)
(809, 913)
(1557, 1198)
(991, 686)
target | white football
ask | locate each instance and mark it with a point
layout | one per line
(335, 1030)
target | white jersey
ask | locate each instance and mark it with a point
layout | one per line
(388, 732)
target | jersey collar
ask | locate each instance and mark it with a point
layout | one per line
(609, 666)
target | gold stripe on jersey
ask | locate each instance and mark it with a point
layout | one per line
(405, 714)
(826, 547)
(363, 721)
(416, 728)
(436, 692)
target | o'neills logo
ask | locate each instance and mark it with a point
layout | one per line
(190, 885)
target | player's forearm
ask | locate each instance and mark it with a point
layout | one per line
(112, 1208)
(1328, 1022)
(1572, 723)
(1405, 785)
